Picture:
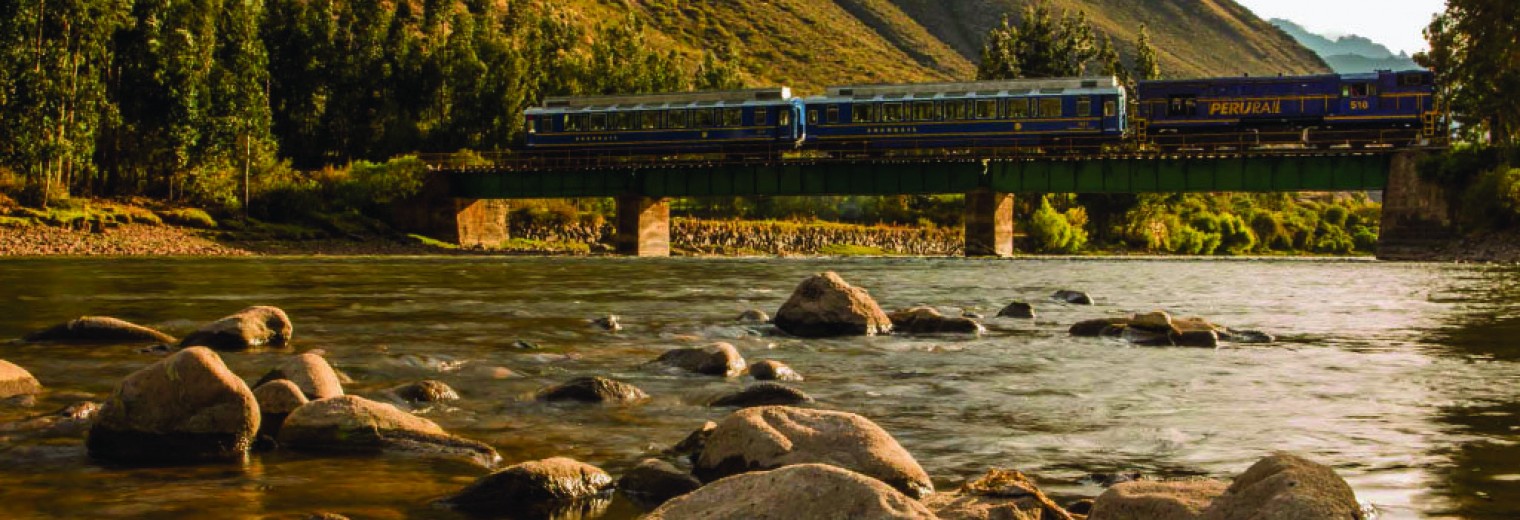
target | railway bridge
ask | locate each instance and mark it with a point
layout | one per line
(479, 189)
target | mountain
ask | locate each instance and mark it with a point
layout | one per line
(809, 44)
(1347, 53)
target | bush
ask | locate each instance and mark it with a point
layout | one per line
(188, 217)
(1051, 232)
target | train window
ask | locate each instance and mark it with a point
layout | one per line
(784, 117)
(986, 109)
(675, 119)
(1358, 90)
(733, 117)
(598, 122)
(863, 113)
(701, 118)
(891, 112)
(833, 114)
(1413, 79)
(923, 111)
(649, 120)
(955, 110)
(577, 123)
(1018, 108)
(1180, 106)
(1050, 107)
(812, 116)
(1110, 108)
(1084, 106)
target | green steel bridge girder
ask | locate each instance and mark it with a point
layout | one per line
(1107, 175)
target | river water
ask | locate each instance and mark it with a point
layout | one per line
(1403, 377)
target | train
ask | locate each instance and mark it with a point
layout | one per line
(1029, 116)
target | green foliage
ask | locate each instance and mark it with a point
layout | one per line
(1042, 46)
(1147, 62)
(851, 250)
(189, 217)
(1053, 232)
(378, 184)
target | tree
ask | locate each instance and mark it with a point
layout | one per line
(1110, 63)
(1042, 46)
(53, 61)
(1147, 63)
(998, 58)
(1474, 54)
(718, 73)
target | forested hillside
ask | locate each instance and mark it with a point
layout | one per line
(181, 99)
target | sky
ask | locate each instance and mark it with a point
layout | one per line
(1394, 23)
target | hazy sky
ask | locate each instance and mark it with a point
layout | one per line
(1395, 23)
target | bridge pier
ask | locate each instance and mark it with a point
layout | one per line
(1417, 215)
(434, 212)
(989, 223)
(643, 226)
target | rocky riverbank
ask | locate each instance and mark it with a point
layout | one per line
(771, 454)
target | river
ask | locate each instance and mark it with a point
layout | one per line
(1404, 377)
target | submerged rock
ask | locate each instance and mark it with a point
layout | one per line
(755, 316)
(15, 381)
(764, 394)
(772, 370)
(927, 320)
(796, 492)
(655, 481)
(276, 400)
(187, 407)
(770, 437)
(243, 330)
(608, 323)
(534, 487)
(1072, 297)
(718, 359)
(593, 390)
(352, 424)
(311, 373)
(429, 391)
(70, 421)
(99, 329)
(1020, 310)
(825, 305)
(1099, 327)
(1247, 337)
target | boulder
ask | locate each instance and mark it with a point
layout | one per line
(429, 391)
(533, 487)
(770, 437)
(825, 305)
(1247, 336)
(772, 370)
(655, 481)
(246, 329)
(927, 320)
(1146, 337)
(756, 316)
(999, 494)
(764, 394)
(593, 390)
(187, 407)
(1098, 327)
(70, 421)
(15, 381)
(276, 400)
(1196, 338)
(99, 329)
(718, 359)
(796, 492)
(1150, 500)
(1158, 321)
(310, 372)
(1284, 485)
(1072, 297)
(1019, 310)
(352, 424)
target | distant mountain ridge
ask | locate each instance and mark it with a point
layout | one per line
(809, 44)
(1347, 54)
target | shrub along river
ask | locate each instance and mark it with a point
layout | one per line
(1402, 377)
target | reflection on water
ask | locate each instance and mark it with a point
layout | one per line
(1402, 377)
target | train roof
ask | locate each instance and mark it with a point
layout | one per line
(1015, 87)
(760, 96)
(1237, 80)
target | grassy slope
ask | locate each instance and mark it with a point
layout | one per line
(809, 44)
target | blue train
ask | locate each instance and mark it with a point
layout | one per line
(1022, 116)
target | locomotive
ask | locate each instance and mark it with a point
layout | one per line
(1036, 116)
